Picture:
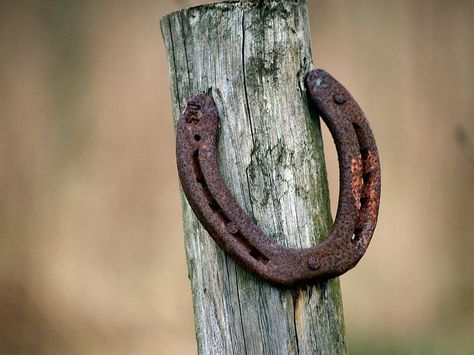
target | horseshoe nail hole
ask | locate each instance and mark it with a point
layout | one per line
(197, 137)
(258, 256)
(366, 179)
(214, 206)
(357, 234)
(254, 254)
(200, 180)
(364, 153)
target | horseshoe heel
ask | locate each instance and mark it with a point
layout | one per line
(237, 234)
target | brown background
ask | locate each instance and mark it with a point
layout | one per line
(91, 248)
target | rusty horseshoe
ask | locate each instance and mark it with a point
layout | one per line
(237, 234)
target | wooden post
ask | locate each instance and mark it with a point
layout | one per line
(252, 56)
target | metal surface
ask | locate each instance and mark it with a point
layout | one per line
(238, 235)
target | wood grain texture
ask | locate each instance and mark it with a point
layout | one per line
(252, 56)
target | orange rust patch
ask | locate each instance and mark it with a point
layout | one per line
(357, 182)
(370, 162)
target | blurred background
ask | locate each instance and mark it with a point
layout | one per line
(91, 247)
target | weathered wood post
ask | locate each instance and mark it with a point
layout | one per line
(252, 56)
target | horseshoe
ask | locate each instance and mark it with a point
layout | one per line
(237, 234)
